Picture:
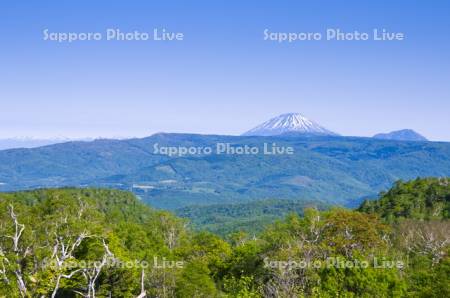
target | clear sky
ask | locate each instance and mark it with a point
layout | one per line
(223, 78)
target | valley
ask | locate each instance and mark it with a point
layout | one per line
(334, 169)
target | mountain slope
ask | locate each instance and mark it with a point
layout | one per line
(288, 123)
(66, 233)
(252, 217)
(422, 199)
(401, 135)
(11, 143)
(337, 170)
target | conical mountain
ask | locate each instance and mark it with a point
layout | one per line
(289, 123)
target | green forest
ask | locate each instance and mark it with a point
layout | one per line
(76, 242)
(250, 217)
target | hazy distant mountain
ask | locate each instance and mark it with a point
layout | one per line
(401, 135)
(28, 142)
(289, 123)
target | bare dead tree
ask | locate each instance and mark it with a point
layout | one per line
(91, 274)
(433, 238)
(283, 284)
(18, 251)
(4, 262)
(143, 293)
(162, 281)
(58, 280)
(19, 228)
(63, 251)
(82, 207)
(171, 234)
(426, 238)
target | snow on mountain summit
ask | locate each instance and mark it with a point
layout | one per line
(288, 123)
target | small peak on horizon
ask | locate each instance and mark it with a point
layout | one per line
(401, 135)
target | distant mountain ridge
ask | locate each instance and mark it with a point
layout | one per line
(337, 170)
(28, 142)
(289, 123)
(401, 135)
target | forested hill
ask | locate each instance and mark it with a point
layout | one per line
(339, 170)
(100, 243)
(106, 243)
(251, 217)
(427, 198)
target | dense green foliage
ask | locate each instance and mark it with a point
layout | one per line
(95, 243)
(64, 236)
(252, 217)
(341, 170)
(416, 199)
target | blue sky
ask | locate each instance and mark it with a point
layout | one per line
(223, 77)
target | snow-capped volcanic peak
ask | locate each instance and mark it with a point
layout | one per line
(288, 123)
